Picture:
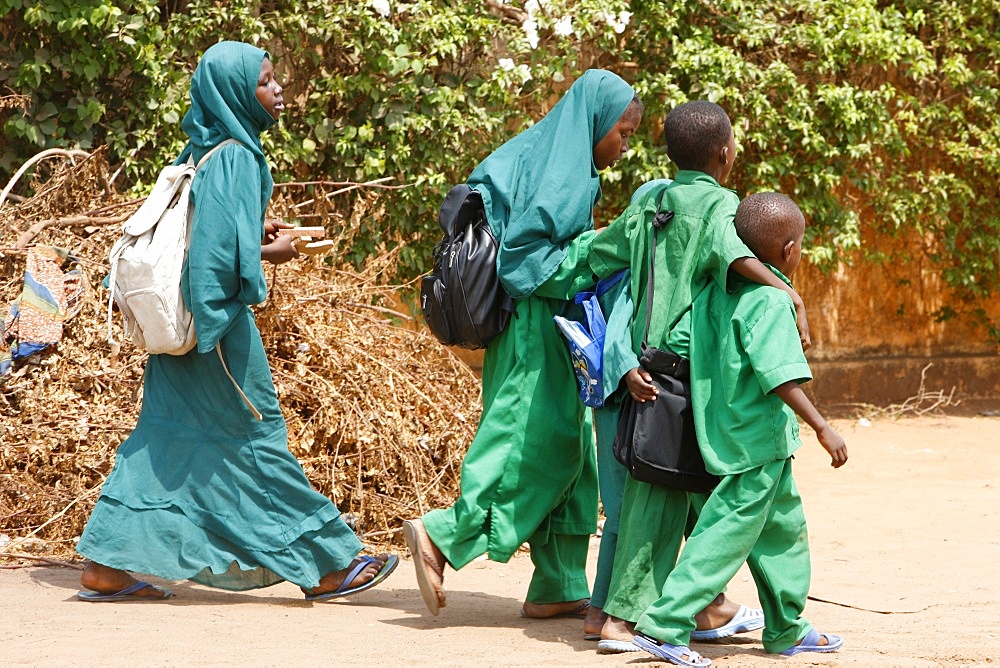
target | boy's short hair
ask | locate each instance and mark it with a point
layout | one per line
(762, 219)
(694, 131)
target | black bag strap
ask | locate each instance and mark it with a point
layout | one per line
(660, 219)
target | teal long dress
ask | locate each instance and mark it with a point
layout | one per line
(201, 489)
(530, 473)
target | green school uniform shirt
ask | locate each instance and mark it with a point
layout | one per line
(695, 248)
(742, 346)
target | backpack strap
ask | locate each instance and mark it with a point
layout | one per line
(660, 219)
(256, 413)
(211, 151)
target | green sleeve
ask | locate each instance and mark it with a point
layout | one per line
(771, 341)
(724, 245)
(612, 250)
(223, 273)
(618, 355)
(573, 274)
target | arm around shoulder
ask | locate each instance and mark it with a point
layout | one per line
(754, 270)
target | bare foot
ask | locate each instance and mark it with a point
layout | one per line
(576, 609)
(594, 621)
(716, 614)
(333, 581)
(618, 629)
(107, 580)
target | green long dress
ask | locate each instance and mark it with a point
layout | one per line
(201, 490)
(530, 473)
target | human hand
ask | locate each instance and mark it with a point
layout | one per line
(640, 385)
(271, 227)
(834, 444)
(279, 250)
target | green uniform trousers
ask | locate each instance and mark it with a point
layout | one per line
(653, 524)
(757, 517)
(611, 475)
(530, 474)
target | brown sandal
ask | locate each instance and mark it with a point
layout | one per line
(430, 573)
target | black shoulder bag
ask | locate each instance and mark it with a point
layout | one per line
(656, 440)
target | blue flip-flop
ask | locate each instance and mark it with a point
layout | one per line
(746, 619)
(811, 643)
(127, 594)
(675, 654)
(344, 590)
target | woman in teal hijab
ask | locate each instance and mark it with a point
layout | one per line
(530, 473)
(205, 488)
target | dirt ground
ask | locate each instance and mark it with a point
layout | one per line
(906, 566)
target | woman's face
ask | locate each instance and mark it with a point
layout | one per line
(614, 144)
(269, 90)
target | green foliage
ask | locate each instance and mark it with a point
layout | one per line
(885, 110)
(877, 116)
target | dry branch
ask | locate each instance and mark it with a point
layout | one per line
(48, 153)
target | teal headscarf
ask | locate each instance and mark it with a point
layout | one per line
(224, 105)
(540, 187)
(223, 274)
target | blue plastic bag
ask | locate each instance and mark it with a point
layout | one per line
(586, 342)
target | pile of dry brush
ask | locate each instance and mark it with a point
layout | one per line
(378, 412)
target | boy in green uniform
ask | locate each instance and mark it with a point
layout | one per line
(746, 367)
(698, 248)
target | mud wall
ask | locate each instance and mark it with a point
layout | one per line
(874, 332)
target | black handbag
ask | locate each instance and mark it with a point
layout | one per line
(656, 440)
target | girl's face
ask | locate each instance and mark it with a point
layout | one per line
(269, 90)
(614, 144)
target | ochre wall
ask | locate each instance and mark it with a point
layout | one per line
(874, 331)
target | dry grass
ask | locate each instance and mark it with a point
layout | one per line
(379, 414)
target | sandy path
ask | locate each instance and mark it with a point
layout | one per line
(908, 533)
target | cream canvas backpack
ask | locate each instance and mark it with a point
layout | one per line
(146, 264)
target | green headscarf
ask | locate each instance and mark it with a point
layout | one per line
(222, 273)
(540, 187)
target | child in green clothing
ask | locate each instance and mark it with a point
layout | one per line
(746, 368)
(698, 248)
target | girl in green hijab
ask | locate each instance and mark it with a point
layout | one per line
(530, 473)
(205, 489)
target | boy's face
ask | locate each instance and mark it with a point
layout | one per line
(269, 90)
(614, 144)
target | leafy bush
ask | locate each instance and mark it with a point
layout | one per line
(878, 117)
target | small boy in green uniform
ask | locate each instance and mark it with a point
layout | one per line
(697, 248)
(746, 368)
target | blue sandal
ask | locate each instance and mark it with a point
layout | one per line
(127, 594)
(745, 620)
(811, 643)
(678, 655)
(343, 590)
